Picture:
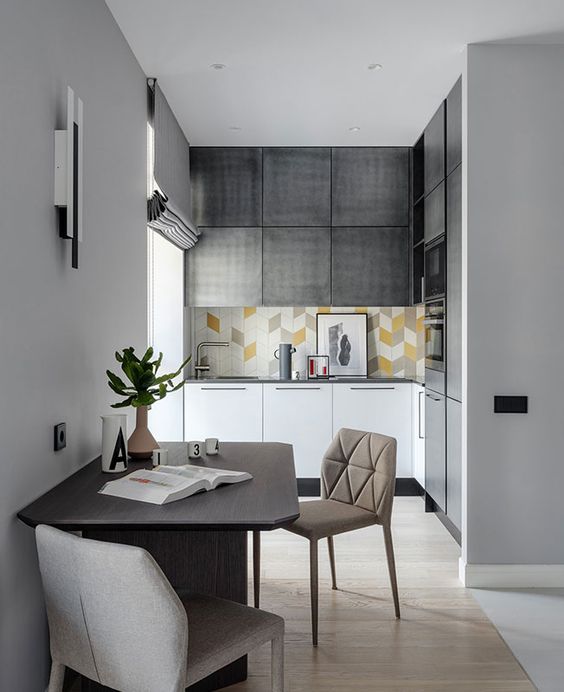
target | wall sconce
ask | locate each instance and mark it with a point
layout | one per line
(68, 175)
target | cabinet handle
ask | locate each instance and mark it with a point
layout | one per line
(223, 389)
(363, 389)
(432, 397)
(421, 437)
(300, 388)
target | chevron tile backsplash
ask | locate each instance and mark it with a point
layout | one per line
(396, 340)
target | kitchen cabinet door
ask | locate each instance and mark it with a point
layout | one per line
(418, 433)
(296, 266)
(297, 186)
(454, 462)
(434, 138)
(370, 266)
(435, 447)
(435, 213)
(301, 416)
(370, 186)
(225, 268)
(381, 408)
(454, 285)
(226, 186)
(454, 127)
(230, 412)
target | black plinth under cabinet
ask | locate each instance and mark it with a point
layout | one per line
(200, 543)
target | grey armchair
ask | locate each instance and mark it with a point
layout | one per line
(358, 476)
(114, 618)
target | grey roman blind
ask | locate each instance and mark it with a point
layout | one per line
(169, 205)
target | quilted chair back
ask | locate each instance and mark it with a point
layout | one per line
(359, 468)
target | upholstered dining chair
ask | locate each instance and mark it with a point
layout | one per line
(114, 618)
(358, 476)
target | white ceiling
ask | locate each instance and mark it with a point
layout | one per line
(297, 69)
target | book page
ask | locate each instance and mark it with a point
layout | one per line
(149, 486)
(209, 474)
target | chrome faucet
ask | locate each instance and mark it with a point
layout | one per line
(199, 368)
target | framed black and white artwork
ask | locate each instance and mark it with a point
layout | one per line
(343, 337)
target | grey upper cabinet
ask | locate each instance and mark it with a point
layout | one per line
(435, 150)
(226, 186)
(434, 213)
(370, 266)
(225, 268)
(296, 266)
(370, 186)
(454, 462)
(435, 447)
(454, 127)
(454, 285)
(297, 186)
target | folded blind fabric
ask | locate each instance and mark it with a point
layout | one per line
(169, 207)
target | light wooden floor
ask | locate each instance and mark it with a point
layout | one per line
(443, 642)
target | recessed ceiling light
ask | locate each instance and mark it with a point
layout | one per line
(374, 66)
(356, 128)
(235, 128)
(218, 66)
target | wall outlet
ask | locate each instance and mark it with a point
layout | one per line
(60, 436)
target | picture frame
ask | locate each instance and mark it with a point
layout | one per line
(343, 336)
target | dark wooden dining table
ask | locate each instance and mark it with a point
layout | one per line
(199, 542)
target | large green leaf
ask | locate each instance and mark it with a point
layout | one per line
(124, 403)
(148, 355)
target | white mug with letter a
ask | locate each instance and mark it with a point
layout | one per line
(195, 449)
(114, 443)
(212, 446)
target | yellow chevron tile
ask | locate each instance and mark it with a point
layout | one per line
(324, 310)
(385, 337)
(385, 365)
(410, 351)
(250, 351)
(361, 310)
(213, 323)
(398, 322)
(248, 312)
(420, 325)
(299, 337)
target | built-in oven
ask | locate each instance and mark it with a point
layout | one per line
(435, 335)
(435, 283)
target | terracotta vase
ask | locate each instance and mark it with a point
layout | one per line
(141, 443)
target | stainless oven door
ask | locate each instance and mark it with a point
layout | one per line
(435, 337)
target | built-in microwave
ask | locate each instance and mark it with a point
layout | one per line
(435, 283)
(435, 335)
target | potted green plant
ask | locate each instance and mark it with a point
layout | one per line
(145, 388)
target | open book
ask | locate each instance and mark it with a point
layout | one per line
(169, 483)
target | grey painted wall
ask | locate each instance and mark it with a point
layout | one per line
(515, 260)
(58, 326)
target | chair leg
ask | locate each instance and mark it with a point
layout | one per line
(57, 677)
(314, 588)
(277, 664)
(331, 547)
(256, 567)
(392, 567)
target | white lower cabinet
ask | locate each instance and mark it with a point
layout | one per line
(300, 415)
(308, 415)
(418, 433)
(382, 408)
(231, 412)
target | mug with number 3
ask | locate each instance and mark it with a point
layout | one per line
(195, 449)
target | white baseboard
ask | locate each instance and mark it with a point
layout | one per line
(511, 576)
